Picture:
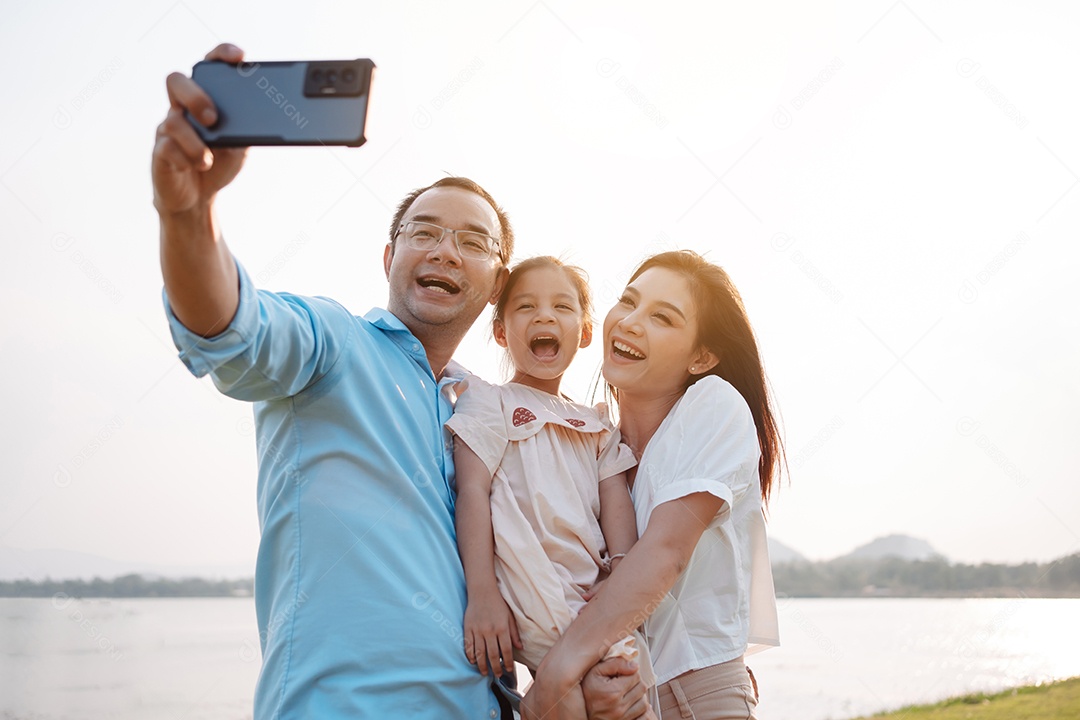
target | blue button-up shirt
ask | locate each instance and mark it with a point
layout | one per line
(359, 589)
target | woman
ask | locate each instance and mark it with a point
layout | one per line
(694, 408)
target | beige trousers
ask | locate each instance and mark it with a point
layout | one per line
(717, 692)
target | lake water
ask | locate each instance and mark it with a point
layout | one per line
(151, 659)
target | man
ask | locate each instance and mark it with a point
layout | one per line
(359, 589)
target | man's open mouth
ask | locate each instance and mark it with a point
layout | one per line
(439, 284)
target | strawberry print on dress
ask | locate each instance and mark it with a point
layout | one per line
(575, 422)
(522, 416)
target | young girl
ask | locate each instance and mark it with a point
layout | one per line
(543, 508)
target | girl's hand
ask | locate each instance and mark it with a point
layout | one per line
(491, 634)
(592, 592)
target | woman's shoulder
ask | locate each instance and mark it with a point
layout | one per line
(714, 396)
(709, 409)
(709, 433)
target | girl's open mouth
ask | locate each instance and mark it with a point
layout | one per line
(545, 347)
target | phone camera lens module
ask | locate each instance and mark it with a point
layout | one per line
(348, 75)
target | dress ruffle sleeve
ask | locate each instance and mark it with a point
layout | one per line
(615, 455)
(478, 420)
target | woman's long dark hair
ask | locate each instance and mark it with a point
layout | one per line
(724, 329)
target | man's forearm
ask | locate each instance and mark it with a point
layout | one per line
(200, 275)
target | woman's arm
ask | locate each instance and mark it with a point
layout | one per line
(629, 596)
(617, 520)
(490, 630)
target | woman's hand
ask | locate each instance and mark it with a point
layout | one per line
(555, 701)
(629, 596)
(491, 633)
(611, 690)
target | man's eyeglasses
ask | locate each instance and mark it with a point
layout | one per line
(427, 236)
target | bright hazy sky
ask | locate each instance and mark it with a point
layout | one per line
(893, 187)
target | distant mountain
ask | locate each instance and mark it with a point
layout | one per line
(901, 546)
(781, 553)
(71, 565)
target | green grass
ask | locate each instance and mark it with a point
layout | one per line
(1055, 701)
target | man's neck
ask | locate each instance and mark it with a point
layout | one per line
(440, 342)
(438, 363)
(439, 348)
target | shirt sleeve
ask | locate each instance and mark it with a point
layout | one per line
(276, 345)
(615, 456)
(710, 445)
(480, 422)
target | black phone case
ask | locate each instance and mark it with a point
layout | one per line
(285, 103)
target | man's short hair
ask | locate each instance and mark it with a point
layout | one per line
(506, 233)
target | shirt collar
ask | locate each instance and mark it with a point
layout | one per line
(389, 323)
(385, 320)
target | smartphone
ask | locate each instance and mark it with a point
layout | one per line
(285, 103)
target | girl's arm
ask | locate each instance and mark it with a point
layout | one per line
(617, 519)
(630, 595)
(490, 630)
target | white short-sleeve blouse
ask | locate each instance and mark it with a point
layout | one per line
(723, 605)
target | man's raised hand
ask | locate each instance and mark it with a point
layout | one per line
(186, 173)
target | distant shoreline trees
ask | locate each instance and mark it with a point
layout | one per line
(128, 586)
(896, 577)
(843, 577)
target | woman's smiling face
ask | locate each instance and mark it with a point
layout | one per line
(650, 336)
